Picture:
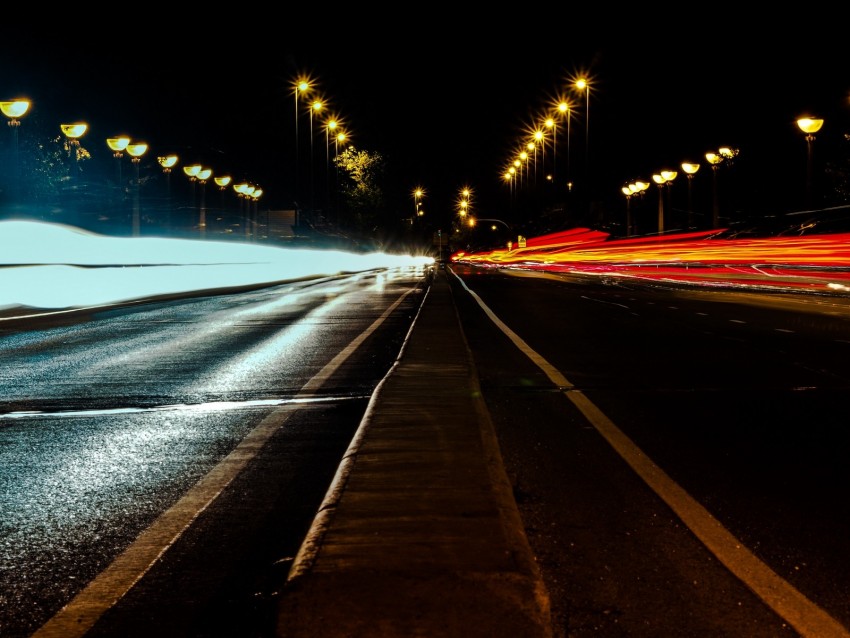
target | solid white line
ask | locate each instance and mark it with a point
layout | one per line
(108, 587)
(788, 602)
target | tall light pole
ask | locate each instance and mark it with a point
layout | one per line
(690, 169)
(418, 194)
(330, 127)
(315, 107)
(167, 162)
(809, 126)
(14, 110)
(136, 150)
(658, 178)
(637, 188)
(714, 159)
(191, 171)
(583, 84)
(118, 145)
(300, 87)
(628, 192)
(202, 176)
(222, 181)
(669, 176)
(74, 132)
(255, 200)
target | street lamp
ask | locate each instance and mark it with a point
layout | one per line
(301, 86)
(118, 145)
(315, 107)
(809, 126)
(637, 188)
(14, 110)
(715, 160)
(74, 132)
(255, 200)
(167, 162)
(659, 179)
(669, 176)
(418, 194)
(562, 108)
(136, 150)
(690, 169)
(628, 192)
(202, 176)
(222, 181)
(583, 84)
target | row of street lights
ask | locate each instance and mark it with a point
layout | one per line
(518, 171)
(119, 145)
(664, 180)
(807, 125)
(332, 125)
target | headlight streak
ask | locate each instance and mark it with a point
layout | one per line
(53, 266)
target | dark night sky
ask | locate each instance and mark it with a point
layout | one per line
(448, 117)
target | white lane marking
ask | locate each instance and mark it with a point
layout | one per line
(209, 406)
(108, 587)
(782, 597)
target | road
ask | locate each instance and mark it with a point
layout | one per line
(689, 407)
(677, 455)
(177, 451)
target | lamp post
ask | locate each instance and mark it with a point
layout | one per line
(202, 176)
(583, 84)
(255, 201)
(118, 145)
(339, 138)
(418, 194)
(167, 162)
(315, 107)
(301, 86)
(73, 133)
(136, 150)
(809, 126)
(14, 110)
(222, 181)
(191, 171)
(690, 169)
(669, 176)
(637, 188)
(628, 192)
(714, 159)
(658, 178)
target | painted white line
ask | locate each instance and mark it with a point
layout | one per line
(108, 587)
(783, 598)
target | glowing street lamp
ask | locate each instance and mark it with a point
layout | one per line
(14, 110)
(418, 194)
(136, 150)
(74, 132)
(628, 192)
(118, 145)
(715, 160)
(315, 107)
(659, 179)
(690, 169)
(202, 176)
(583, 84)
(301, 85)
(809, 126)
(255, 201)
(669, 176)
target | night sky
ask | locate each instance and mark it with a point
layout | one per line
(449, 117)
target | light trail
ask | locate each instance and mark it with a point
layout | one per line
(53, 266)
(812, 263)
